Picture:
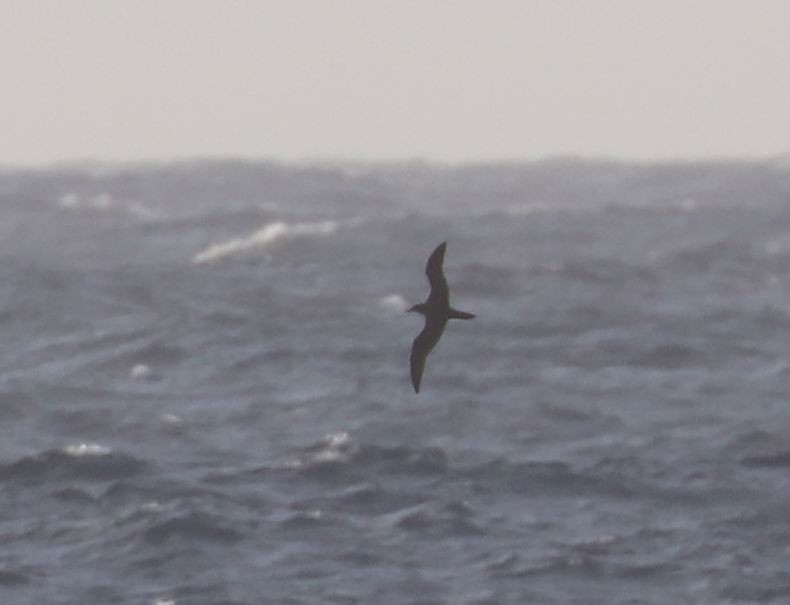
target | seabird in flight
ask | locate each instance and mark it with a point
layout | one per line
(437, 312)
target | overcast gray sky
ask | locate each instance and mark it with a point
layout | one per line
(381, 79)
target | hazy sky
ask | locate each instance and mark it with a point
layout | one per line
(380, 79)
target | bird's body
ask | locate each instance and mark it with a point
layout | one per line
(437, 312)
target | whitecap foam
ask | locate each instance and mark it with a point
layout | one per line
(293, 464)
(337, 439)
(73, 201)
(334, 447)
(142, 212)
(172, 420)
(86, 449)
(268, 234)
(103, 202)
(329, 455)
(777, 245)
(393, 302)
(152, 507)
(69, 200)
(141, 370)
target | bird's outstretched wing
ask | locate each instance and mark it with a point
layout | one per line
(425, 341)
(440, 293)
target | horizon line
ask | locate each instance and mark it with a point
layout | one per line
(344, 160)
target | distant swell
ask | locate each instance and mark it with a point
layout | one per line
(542, 478)
(779, 460)
(192, 526)
(262, 238)
(13, 578)
(337, 455)
(669, 356)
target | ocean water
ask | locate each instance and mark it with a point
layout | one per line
(204, 390)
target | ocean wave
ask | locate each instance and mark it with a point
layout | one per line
(86, 449)
(579, 563)
(140, 371)
(371, 498)
(14, 404)
(262, 238)
(74, 495)
(192, 526)
(489, 280)
(302, 519)
(451, 519)
(519, 210)
(73, 201)
(143, 212)
(13, 578)
(723, 254)
(549, 478)
(103, 202)
(607, 271)
(670, 356)
(777, 460)
(336, 455)
(755, 442)
(514, 566)
(338, 459)
(685, 205)
(83, 461)
(777, 246)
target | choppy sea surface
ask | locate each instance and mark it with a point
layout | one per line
(204, 390)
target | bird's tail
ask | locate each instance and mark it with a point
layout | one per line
(460, 314)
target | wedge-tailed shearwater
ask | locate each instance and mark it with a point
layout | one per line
(437, 312)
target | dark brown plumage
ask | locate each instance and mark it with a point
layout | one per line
(437, 312)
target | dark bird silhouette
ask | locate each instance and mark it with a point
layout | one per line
(437, 312)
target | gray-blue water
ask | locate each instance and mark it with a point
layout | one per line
(204, 390)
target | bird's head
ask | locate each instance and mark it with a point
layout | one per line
(420, 308)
